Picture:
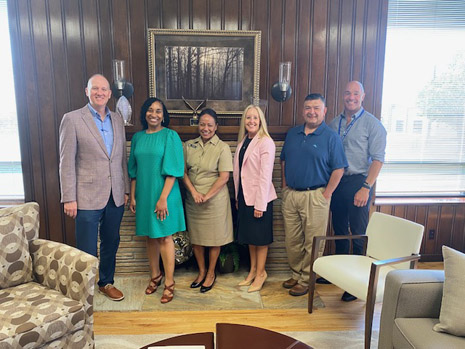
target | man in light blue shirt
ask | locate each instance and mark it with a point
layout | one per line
(94, 178)
(364, 140)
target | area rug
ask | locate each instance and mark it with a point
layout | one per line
(318, 340)
(225, 295)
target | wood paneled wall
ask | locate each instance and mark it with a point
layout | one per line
(58, 44)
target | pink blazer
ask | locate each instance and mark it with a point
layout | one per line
(257, 172)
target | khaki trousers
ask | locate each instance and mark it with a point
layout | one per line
(305, 215)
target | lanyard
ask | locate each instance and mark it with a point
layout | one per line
(349, 126)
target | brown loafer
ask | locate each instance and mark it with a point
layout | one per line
(111, 292)
(289, 283)
(298, 290)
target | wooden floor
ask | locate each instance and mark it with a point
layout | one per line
(336, 316)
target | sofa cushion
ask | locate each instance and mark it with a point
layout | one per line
(15, 260)
(418, 333)
(33, 315)
(452, 316)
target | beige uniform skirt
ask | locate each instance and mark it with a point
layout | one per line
(210, 223)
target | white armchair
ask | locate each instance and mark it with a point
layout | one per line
(392, 243)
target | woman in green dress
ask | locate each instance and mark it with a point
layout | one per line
(155, 164)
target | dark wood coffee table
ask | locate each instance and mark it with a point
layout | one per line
(234, 336)
(204, 338)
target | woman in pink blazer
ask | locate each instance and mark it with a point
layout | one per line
(253, 171)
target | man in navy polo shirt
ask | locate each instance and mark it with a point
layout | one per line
(364, 140)
(312, 162)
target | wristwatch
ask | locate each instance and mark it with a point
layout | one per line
(366, 185)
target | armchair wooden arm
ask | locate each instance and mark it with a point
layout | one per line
(372, 288)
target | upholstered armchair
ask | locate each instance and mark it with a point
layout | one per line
(391, 243)
(46, 287)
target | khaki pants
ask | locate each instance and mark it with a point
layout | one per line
(305, 215)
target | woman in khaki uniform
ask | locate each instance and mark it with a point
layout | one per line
(208, 207)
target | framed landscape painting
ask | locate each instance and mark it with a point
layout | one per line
(222, 67)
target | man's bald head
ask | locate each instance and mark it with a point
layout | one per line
(98, 91)
(97, 76)
(354, 94)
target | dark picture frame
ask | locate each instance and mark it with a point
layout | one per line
(220, 66)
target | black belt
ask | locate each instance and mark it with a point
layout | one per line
(353, 175)
(309, 188)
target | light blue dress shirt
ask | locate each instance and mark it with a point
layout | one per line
(363, 142)
(105, 127)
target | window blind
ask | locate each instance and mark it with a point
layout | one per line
(423, 105)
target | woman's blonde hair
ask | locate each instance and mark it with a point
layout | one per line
(263, 129)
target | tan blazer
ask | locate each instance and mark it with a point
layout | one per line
(256, 173)
(87, 174)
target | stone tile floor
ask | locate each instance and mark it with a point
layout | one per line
(224, 295)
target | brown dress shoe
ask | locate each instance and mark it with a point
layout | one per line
(298, 290)
(289, 283)
(111, 292)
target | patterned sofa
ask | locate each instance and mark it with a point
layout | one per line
(46, 287)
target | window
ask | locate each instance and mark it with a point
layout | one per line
(417, 126)
(11, 178)
(424, 99)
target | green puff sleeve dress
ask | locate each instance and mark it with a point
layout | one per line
(153, 157)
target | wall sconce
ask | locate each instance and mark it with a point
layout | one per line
(121, 87)
(122, 90)
(281, 91)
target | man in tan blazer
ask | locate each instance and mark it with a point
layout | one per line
(94, 178)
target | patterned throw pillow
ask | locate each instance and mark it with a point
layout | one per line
(15, 260)
(30, 213)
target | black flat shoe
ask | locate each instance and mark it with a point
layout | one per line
(204, 289)
(197, 284)
(323, 281)
(347, 297)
